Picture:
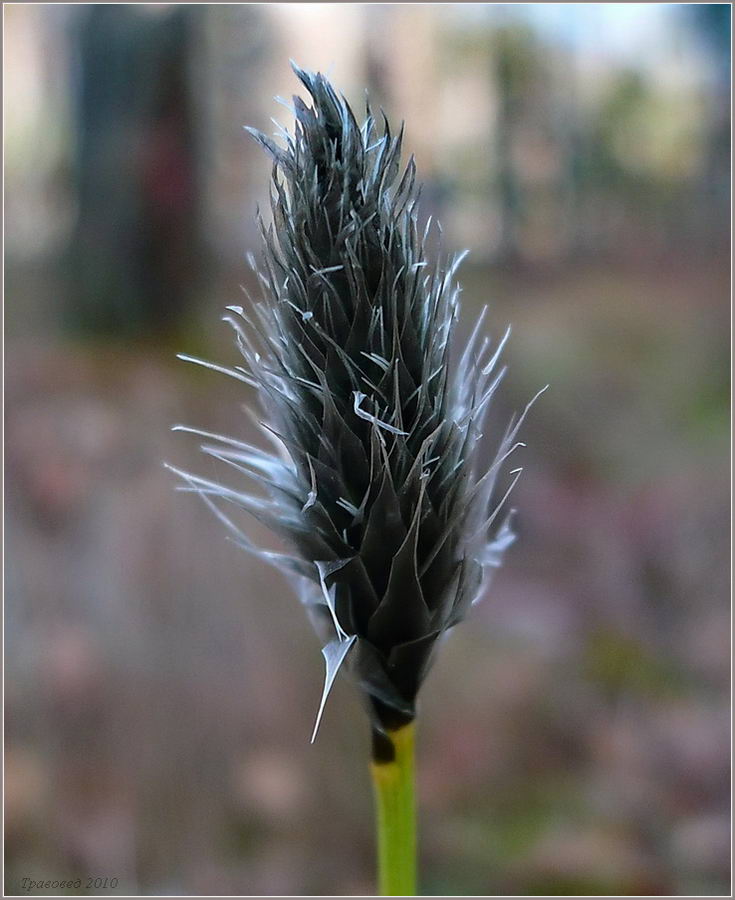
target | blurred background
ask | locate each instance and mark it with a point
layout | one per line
(161, 686)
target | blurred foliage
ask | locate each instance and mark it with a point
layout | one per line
(159, 693)
(618, 663)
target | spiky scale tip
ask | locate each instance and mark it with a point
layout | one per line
(378, 492)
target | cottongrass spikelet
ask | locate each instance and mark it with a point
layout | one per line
(393, 525)
(379, 492)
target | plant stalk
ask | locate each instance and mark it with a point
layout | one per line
(395, 805)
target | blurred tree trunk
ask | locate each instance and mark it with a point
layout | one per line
(513, 73)
(133, 251)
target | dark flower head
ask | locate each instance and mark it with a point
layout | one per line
(378, 490)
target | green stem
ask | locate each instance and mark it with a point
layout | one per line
(395, 804)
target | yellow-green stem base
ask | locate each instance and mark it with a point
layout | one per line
(395, 804)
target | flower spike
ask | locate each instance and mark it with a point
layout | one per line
(379, 492)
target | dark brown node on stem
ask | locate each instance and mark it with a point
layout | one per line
(383, 750)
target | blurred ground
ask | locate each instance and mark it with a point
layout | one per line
(161, 686)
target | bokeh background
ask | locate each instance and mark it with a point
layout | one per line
(161, 686)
